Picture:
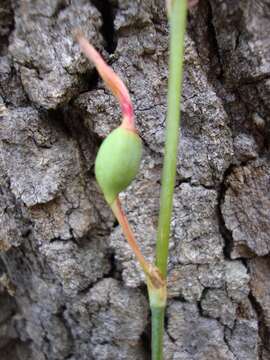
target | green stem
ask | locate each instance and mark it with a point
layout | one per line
(177, 20)
(157, 299)
(177, 31)
(157, 315)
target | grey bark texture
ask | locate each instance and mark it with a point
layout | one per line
(70, 288)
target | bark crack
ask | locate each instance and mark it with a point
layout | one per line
(107, 11)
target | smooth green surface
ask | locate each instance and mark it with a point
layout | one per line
(117, 162)
(177, 31)
(177, 21)
(157, 314)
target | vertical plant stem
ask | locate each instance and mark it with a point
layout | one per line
(177, 21)
(157, 315)
(177, 31)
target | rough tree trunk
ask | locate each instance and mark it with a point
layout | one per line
(70, 288)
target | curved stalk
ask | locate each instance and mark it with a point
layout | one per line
(152, 274)
(111, 79)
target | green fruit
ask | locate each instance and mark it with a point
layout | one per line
(118, 161)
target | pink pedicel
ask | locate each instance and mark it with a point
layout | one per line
(111, 79)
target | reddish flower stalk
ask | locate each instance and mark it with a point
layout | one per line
(113, 82)
(151, 271)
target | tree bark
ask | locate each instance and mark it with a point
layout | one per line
(70, 287)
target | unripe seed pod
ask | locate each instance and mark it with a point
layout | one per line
(118, 159)
(117, 162)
